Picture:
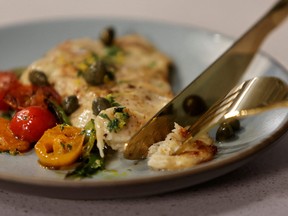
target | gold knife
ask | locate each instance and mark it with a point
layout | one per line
(212, 84)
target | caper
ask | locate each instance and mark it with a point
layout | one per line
(224, 132)
(235, 124)
(194, 105)
(107, 36)
(100, 104)
(96, 73)
(38, 78)
(70, 104)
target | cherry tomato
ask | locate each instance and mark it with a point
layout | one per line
(28, 95)
(8, 80)
(8, 142)
(3, 105)
(60, 146)
(20, 97)
(14, 95)
(30, 123)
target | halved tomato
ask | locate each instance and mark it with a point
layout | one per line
(8, 142)
(30, 123)
(60, 146)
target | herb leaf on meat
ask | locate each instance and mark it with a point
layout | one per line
(119, 121)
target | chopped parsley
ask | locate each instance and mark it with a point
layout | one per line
(88, 167)
(90, 162)
(112, 51)
(114, 55)
(112, 101)
(119, 121)
(66, 146)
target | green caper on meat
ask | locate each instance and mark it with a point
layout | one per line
(70, 104)
(224, 132)
(107, 36)
(38, 78)
(100, 104)
(95, 74)
(194, 105)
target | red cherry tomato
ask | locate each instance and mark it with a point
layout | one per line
(8, 80)
(3, 105)
(14, 95)
(28, 95)
(30, 123)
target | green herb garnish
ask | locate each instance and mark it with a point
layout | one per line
(90, 138)
(112, 101)
(112, 51)
(119, 120)
(91, 161)
(58, 112)
(89, 166)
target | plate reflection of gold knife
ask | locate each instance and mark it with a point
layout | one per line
(214, 83)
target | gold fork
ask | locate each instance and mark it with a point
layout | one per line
(252, 97)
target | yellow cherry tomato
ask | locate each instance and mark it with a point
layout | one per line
(60, 146)
(8, 142)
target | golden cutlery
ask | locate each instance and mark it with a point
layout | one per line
(214, 83)
(252, 97)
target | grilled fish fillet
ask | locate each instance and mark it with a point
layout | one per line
(140, 85)
(141, 82)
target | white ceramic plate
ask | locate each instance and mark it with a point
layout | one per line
(192, 50)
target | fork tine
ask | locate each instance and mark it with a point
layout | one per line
(215, 113)
(249, 98)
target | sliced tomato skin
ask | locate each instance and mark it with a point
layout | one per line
(7, 78)
(30, 123)
(16, 96)
(28, 95)
(3, 105)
